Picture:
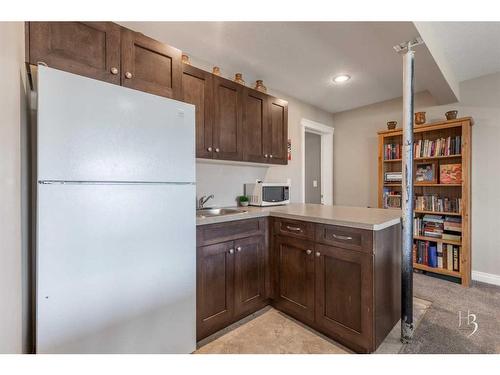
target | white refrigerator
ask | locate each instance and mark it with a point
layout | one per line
(115, 219)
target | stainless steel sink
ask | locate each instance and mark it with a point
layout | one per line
(211, 212)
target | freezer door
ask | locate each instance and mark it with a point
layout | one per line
(116, 269)
(90, 130)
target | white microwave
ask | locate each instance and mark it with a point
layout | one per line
(268, 193)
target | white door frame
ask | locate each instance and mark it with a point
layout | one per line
(326, 133)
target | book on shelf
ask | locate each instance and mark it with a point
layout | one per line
(392, 199)
(393, 176)
(456, 259)
(392, 151)
(440, 260)
(437, 255)
(438, 226)
(451, 237)
(450, 173)
(425, 148)
(453, 224)
(432, 255)
(438, 204)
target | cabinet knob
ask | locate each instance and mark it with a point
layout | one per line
(128, 75)
(216, 149)
(318, 254)
(308, 252)
(209, 149)
(265, 155)
(238, 249)
(231, 251)
(114, 70)
(271, 156)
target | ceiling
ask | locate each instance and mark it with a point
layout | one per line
(471, 49)
(300, 58)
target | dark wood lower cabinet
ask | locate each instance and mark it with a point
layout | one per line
(344, 284)
(294, 273)
(349, 291)
(215, 287)
(249, 277)
(231, 275)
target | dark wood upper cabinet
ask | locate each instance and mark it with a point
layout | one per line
(215, 288)
(294, 289)
(249, 275)
(233, 122)
(150, 66)
(255, 126)
(278, 131)
(90, 49)
(197, 89)
(344, 297)
(228, 118)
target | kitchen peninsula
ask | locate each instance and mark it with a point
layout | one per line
(334, 268)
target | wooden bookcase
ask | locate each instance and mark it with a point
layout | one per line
(432, 131)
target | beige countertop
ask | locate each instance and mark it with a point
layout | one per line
(355, 217)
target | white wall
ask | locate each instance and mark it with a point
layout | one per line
(355, 158)
(226, 181)
(355, 149)
(13, 318)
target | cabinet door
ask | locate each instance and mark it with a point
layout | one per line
(278, 131)
(150, 66)
(197, 90)
(90, 49)
(344, 295)
(294, 275)
(227, 135)
(249, 275)
(215, 288)
(255, 126)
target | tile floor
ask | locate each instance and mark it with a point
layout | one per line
(271, 332)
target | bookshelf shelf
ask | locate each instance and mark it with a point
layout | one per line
(441, 271)
(440, 185)
(451, 196)
(438, 240)
(425, 185)
(438, 213)
(427, 158)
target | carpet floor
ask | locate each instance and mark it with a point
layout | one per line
(440, 332)
(436, 314)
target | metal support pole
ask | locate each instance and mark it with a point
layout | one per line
(407, 198)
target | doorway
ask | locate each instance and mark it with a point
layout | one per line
(312, 168)
(317, 176)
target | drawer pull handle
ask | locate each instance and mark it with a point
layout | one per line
(308, 252)
(295, 229)
(343, 238)
(231, 251)
(318, 254)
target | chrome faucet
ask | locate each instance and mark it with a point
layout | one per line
(203, 200)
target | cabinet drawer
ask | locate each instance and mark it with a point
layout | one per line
(220, 232)
(345, 237)
(294, 228)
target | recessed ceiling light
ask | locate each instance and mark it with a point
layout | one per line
(341, 78)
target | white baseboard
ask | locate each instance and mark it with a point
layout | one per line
(484, 277)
